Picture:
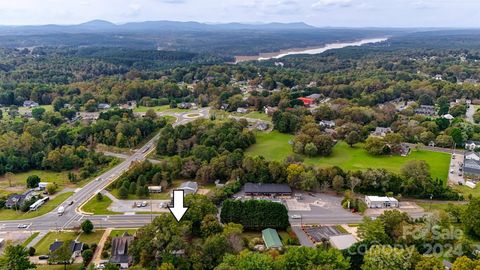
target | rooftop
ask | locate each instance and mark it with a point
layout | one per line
(267, 188)
(271, 238)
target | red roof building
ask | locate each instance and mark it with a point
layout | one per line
(307, 101)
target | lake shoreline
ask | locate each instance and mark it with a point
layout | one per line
(307, 50)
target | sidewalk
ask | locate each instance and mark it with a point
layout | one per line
(97, 256)
(37, 239)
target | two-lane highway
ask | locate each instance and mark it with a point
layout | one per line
(73, 218)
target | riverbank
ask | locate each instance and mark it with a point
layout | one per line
(309, 50)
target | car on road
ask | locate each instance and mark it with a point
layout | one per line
(144, 203)
(296, 216)
(43, 257)
(22, 226)
(451, 171)
(70, 203)
(99, 179)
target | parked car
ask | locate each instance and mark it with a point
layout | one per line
(43, 257)
(296, 217)
(144, 203)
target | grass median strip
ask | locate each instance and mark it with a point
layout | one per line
(30, 239)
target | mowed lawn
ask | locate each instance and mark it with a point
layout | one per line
(42, 247)
(275, 146)
(97, 207)
(9, 214)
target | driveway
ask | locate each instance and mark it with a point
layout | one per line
(469, 114)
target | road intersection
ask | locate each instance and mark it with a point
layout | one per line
(73, 217)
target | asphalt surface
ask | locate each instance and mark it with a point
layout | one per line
(73, 218)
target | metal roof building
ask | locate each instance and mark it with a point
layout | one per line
(271, 238)
(267, 189)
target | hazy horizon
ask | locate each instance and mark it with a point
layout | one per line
(319, 13)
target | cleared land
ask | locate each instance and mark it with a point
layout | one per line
(275, 146)
(8, 214)
(44, 244)
(165, 195)
(19, 180)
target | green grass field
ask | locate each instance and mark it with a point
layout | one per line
(258, 115)
(274, 146)
(8, 214)
(466, 191)
(43, 245)
(75, 266)
(155, 108)
(98, 207)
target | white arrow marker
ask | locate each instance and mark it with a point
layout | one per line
(178, 210)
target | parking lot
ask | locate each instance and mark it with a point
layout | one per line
(319, 208)
(455, 174)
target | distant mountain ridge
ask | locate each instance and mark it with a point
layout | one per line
(106, 26)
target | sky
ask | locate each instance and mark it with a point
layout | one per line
(322, 13)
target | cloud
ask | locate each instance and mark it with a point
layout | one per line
(332, 3)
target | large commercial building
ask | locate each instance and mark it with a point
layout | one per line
(259, 189)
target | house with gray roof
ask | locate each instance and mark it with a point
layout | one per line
(381, 131)
(426, 110)
(188, 187)
(471, 164)
(19, 199)
(75, 248)
(119, 253)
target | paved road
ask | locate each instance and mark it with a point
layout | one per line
(72, 218)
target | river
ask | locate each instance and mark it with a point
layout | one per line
(311, 50)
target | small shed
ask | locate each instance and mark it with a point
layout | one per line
(271, 239)
(155, 189)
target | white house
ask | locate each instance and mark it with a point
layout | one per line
(472, 156)
(43, 185)
(155, 189)
(327, 123)
(381, 202)
(472, 145)
(242, 110)
(448, 116)
(381, 131)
